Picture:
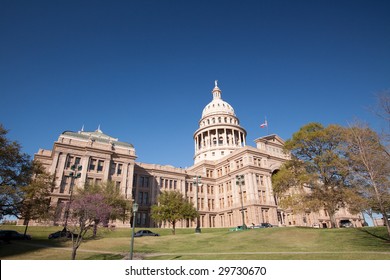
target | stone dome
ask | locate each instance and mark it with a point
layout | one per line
(219, 132)
(217, 105)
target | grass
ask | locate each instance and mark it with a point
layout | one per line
(268, 244)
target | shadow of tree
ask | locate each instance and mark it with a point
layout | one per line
(374, 234)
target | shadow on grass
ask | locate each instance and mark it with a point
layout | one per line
(105, 257)
(16, 247)
(374, 234)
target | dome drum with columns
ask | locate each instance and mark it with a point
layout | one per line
(219, 132)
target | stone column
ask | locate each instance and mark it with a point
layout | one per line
(269, 196)
(129, 180)
(106, 169)
(124, 177)
(252, 188)
(84, 164)
(54, 163)
(60, 170)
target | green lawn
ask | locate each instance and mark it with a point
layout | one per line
(271, 243)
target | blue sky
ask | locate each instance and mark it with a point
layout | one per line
(144, 70)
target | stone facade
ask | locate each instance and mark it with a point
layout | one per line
(221, 154)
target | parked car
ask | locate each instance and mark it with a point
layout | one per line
(144, 232)
(62, 233)
(237, 228)
(8, 235)
(263, 225)
(315, 225)
(346, 224)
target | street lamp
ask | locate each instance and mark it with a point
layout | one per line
(76, 168)
(240, 180)
(135, 209)
(197, 182)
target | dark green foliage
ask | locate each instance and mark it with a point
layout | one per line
(15, 172)
(171, 208)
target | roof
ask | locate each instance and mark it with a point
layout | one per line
(97, 136)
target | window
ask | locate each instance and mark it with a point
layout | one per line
(92, 164)
(69, 162)
(140, 197)
(112, 168)
(119, 171)
(89, 181)
(239, 163)
(100, 166)
(146, 198)
(257, 161)
(143, 219)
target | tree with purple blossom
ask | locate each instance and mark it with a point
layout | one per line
(86, 210)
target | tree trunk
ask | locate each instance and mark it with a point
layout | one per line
(332, 215)
(94, 229)
(25, 229)
(174, 227)
(74, 253)
(386, 222)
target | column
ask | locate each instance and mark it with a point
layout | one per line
(106, 169)
(60, 170)
(54, 163)
(124, 176)
(129, 180)
(251, 189)
(84, 164)
(269, 191)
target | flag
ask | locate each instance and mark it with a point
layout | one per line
(265, 124)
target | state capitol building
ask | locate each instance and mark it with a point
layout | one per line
(231, 175)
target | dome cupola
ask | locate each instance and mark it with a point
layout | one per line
(219, 132)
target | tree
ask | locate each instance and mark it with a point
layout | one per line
(369, 163)
(317, 164)
(35, 203)
(85, 210)
(120, 206)
(15, 172)
(290, 185)
(384, 113)
(171, 208)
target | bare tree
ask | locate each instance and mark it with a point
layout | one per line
(369, 163)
